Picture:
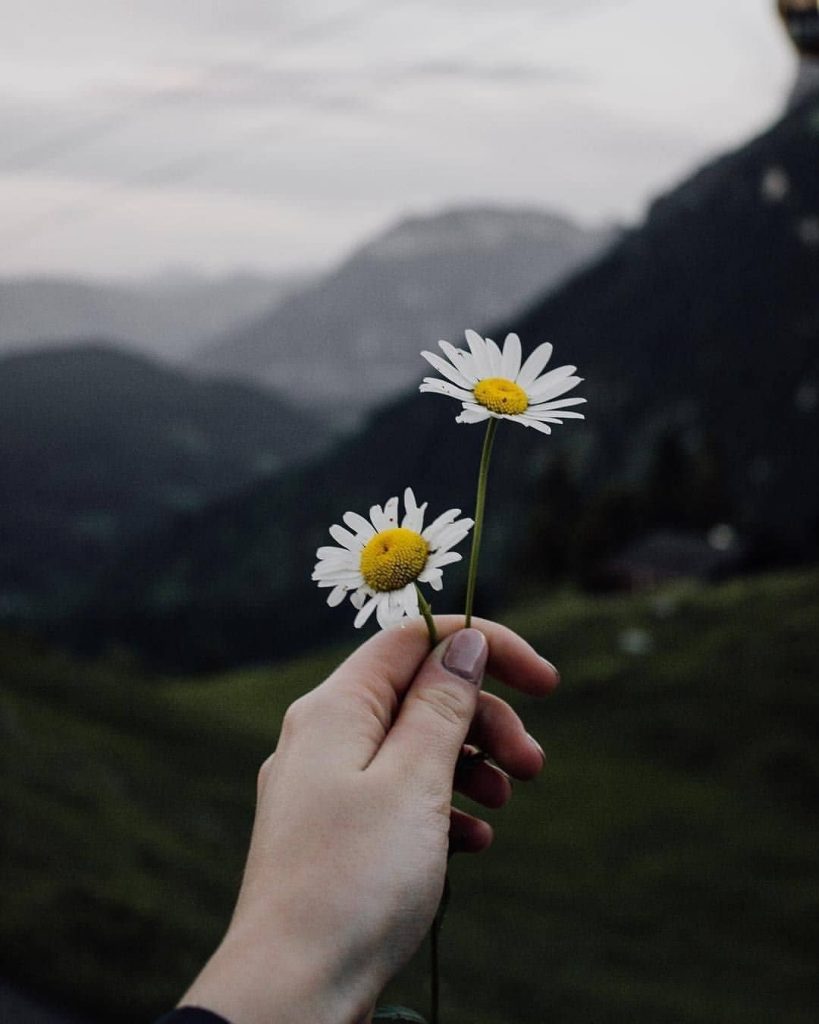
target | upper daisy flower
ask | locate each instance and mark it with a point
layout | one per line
(380, 561)
(492, 383)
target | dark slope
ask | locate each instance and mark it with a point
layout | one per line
(705, 320)
(709, 317)
(97, 444)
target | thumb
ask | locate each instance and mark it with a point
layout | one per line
(427, 736)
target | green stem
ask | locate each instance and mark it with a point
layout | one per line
(480, 501)
(426, 611)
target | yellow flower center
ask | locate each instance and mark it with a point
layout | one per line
(393, 558)
(501, 395)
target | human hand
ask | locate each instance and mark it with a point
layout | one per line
(354, 820)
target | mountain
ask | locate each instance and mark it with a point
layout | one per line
(163, 316)
(704, 322)
(97, 444)
(350, 339)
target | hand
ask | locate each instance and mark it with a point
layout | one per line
(354, 820)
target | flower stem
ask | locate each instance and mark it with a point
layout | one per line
(480, 501)
(426, 611)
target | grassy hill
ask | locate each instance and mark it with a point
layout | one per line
(663, 869)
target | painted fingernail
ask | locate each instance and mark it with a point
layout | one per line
(537, 746)
(466, 655)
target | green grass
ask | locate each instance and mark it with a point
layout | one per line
(663, 869)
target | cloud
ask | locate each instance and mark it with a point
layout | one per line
(360, 109)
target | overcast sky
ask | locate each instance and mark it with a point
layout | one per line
(141, 134)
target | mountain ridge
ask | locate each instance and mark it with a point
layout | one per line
(163, 316)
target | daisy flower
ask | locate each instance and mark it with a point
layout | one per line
(380, 562)
(492, 384)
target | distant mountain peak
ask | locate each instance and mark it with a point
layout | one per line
(483, 227)
(351, 339)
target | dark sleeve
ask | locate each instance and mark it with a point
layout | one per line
(191, 1015)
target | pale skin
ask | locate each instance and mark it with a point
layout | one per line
(354, 820)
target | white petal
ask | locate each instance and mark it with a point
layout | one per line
(446, 370)
(383, 612)
(338, 576)
(366, 611)
(552, 415)
(414, 518)
(544, 428)
(377, 517)
(409, 600)
(359, 597)
(441, 387)
(535, 364)
(386, 518)
(561, 403)
(391, 512)
(435, 580)
(436, 527)
(546, 382)
(428, 572)
(558, 388)
(510, 364)
(463, 361)
(477, 346)
(358, 524)
(495, 358)
(473, 414)
(334, 554)
(442, 558)
(451, 536)
(349, 540)
(336, 596)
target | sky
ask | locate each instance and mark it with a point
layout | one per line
(137, 136)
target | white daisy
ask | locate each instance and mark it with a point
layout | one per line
(491, 383)
(380, 562)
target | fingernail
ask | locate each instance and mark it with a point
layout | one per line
(552, 667)
(537, 746)
(466, 655)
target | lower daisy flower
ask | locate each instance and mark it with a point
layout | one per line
(381, 561)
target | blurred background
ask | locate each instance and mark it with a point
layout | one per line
(228, 230)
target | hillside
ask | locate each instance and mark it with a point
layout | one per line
(350, 340)
(662, 871)
(703, 322)
(165, 316)
(97, 444)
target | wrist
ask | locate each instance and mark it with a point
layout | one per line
(251, 980)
